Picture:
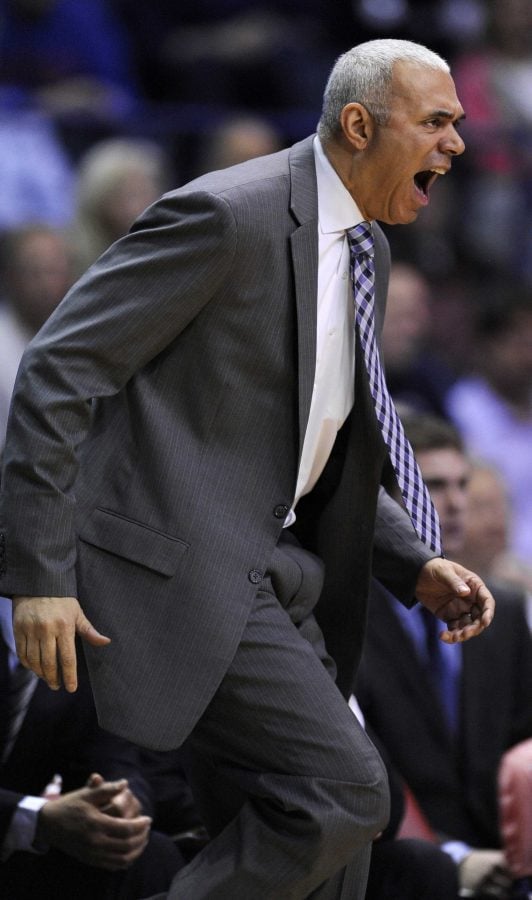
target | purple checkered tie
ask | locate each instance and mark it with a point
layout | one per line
(415, 495)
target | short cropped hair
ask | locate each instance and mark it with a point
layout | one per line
(364, 75)
(428, 432)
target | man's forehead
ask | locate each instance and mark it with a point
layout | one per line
(430, 91)
(445, 464)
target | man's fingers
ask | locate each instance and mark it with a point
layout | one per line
(118, 851)
(66, 653)
(45, 634)
(457, 596)
(94, 780)
(40, 655)
(462, 629)
(487, 602)
(471, 622)
(121, 841)
(51, 662)
(29, 653)
(125, 805)
(100, 794)
(88, 632)
(67, 650)
(126, 831)
(77, 825)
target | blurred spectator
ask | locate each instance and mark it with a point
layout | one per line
(442, 24)
(61, 823)
(237, 139)
(247, 54)
(404, 868)
(69, 55)
(486, 533)
(416, 378)
(117, 180)
(174, 808)
(486, 526)
(35, 272)
(36, 173)
(453, 312)
(492, 406)
(446, 713)
(494, 83)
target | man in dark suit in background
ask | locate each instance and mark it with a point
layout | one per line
(216, 342)
(75, 804)
(446, 714)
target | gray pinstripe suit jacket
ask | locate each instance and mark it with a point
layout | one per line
(159, 502)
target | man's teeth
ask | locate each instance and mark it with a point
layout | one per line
(439, 171)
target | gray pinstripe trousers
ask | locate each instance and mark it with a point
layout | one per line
(291, 789)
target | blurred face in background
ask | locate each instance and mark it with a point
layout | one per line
(408, 317)
(38, 275)
(486, 533)
(508, 358)
(127, 199)
(446, 473)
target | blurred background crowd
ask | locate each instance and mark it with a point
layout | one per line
(106, 104)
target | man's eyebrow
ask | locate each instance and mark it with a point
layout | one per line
(445, 114)
(436, 482)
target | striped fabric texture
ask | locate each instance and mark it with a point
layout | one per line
(413, 489)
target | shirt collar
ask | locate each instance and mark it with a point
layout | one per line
(337, 211)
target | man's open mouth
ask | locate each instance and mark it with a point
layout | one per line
(425, 179)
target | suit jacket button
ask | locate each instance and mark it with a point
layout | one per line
(255, 576)
(281, 511)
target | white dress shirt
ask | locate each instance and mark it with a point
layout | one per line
(333, 391)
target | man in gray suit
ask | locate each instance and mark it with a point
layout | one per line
(200, 379)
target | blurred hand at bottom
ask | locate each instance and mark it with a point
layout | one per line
(484, 876)
(99, 824)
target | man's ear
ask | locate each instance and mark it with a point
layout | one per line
(357, 125)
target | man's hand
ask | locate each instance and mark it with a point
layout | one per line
(85, 824)
(456, 596)
(124, 805)
(45, 632)
(485, 871)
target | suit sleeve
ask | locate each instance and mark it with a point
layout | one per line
(9, 801)
(121, 314)
(398, 553)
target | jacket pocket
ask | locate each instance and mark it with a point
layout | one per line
(133, 541)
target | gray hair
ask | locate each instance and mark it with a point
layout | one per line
(364, 75)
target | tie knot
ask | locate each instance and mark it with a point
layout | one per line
(361, 239)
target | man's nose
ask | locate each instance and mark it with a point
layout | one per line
(453, 142)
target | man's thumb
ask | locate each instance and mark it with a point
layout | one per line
(88, 632)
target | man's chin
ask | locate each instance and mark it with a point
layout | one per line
(402, 218)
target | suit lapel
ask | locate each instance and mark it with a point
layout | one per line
(304, 249)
